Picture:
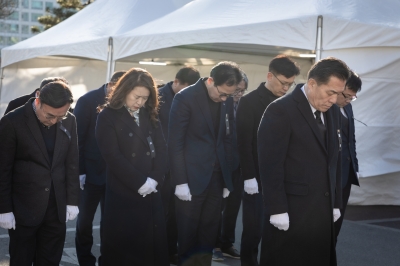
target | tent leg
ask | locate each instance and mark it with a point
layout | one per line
(1, 81)
(319, 40)
(110, 60)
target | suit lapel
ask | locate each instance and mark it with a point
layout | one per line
(350, 117)
(305, 110)
(331, 131)
(33, 126)
(201, 97)
(130, 122)
(57, 146)
(222, 121)
(264, 98)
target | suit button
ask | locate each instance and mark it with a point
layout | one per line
(147, 153)
(47, 189)
(348, 158)
(130, 134)
(133, 154)
(326, 194)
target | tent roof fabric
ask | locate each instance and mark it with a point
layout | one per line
(143, 25)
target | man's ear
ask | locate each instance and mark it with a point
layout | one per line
(210, 81)
(311, 84)
(269, 76)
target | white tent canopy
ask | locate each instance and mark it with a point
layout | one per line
(363, 33)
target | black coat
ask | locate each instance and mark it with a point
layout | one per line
(133, 226)
(91, 162)
(20, 101)
(25, 171)
(350, 154)
(193, 147)
(248, 117)
(166, 96)
(299, 176)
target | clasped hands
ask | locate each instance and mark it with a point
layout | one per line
(281, 221)
(148, 187)
(183, 192)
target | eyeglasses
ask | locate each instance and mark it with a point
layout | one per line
(221, 95)
(349, 98)
(52, 117)
(288, 85)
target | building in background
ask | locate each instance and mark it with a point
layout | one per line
(17, 27)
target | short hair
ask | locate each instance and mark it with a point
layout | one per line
(324, 69)
(132, 78)
(244, 78)
(283, 65)
(52, 79)
(227, 73)
(188, 75)
(116, 76)
(354, 83)
(56, 94)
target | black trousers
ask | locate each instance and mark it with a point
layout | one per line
(42, 244)
(345, 199)
(168, 198)
(253, 213)
(198, 222)
(89, 199)
(230, 210)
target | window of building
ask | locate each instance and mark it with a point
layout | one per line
(25, 3)
(2, 40)
(25, 16)
(4, 27)
(15, 2)
(37, 5)
(14, 28)
(25, 29)
(34, 17)
(49, 5)
(11, 40)
(14, 16)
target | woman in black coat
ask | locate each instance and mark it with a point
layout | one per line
(131, 142)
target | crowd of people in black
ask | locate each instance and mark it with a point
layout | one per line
(171, 166)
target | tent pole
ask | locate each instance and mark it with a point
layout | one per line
(110, 59)
(319, 40)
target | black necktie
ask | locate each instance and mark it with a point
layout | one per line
(321, 126)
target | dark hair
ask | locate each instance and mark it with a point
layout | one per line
(283, 65)
(226, 73)
(52, 79)
(244, 78)
(324, 69)
(188, 75)
(132, 78)
(56, 94)
(354, 83)
(116, 76)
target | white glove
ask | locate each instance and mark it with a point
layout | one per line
(251, 186)
(225, 193)
(82, 179)
(7, 220)
(72, 212)
(183, 192)
(336, 214)
(148, 187)
(280, 221)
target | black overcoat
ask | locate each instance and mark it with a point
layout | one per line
(299, 176)
(26, 174)
(134, 226)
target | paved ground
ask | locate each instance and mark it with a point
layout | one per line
(370, 237)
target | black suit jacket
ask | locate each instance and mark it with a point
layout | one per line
(91, 162)
(352, 149)
(193, 147)
(166, 96)
(20, 101)
(300, 176)
(25, 171)
(248, 117)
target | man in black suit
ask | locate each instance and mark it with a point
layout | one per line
(199, 145)
(280, 78)
(14, 104)
(349, 154)
(299, 144)
(185, 77)
(231, 205)
(92, 169)
(39, 176)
